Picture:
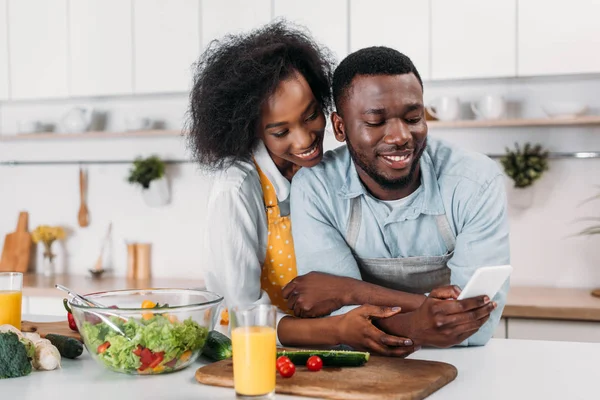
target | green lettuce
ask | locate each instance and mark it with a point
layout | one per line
(157, 334)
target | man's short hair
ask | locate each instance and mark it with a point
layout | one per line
(377, 60)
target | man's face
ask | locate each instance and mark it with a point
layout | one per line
(383, 122)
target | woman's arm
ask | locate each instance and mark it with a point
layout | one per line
(354, 328)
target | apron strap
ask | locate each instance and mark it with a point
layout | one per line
(446, 232)
(354, 222)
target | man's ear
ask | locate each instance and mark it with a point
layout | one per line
(339, 130)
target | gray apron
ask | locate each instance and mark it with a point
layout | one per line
(410, 274)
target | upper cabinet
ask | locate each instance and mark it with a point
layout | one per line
(38, 48)
(220, 17)
(100, 38)
(166, 40)
(473, 38)
(326, 20)
(4, 85)
(558, 37)
(400, 24)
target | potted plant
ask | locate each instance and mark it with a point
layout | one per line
(150, 174)
(593, 229)
(525, 166)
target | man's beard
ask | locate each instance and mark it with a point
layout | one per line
(380, 179)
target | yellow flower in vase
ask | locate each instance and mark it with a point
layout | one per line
(47, 235)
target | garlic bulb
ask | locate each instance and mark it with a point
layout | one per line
(46, 357)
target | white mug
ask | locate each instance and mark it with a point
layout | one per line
(447, 108)
(133, 123)
(489, 107)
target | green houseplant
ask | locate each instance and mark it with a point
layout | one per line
(150, 174)
(145, 170)
(525, 166)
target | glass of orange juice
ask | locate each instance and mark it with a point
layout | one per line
(254, 345)
(11, 286)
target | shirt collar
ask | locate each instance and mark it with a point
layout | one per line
(265, 163)
(428, 201)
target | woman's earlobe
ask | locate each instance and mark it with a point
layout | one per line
(338, 127)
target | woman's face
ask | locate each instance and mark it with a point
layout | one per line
(292, 125)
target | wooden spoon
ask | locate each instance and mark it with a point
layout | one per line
(83, 216)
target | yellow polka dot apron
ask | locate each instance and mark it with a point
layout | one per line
(279, 267)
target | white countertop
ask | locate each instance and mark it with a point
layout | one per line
(503, 369)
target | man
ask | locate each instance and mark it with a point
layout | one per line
(394, 218)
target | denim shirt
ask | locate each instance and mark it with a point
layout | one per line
(467, 187)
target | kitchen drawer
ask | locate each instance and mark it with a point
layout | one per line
(566, 331)
(44, 306)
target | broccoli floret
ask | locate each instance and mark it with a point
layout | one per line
(13, 357)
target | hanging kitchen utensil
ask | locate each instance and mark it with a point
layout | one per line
(83, 216)
(98, 270)
(17, 246)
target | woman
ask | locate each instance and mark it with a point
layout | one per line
(257, 116)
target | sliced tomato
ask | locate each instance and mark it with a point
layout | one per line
(158, 357)
(146, 357)
(103, 347)
(138, 350)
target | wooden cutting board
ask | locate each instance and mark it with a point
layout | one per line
(382, 378)
(17, 246)
(44, 328)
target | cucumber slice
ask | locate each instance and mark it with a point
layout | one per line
(331, 358)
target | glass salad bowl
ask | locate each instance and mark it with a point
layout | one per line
(146, 331)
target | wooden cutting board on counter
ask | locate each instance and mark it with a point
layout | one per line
(17, 247)
(381, 378)
(44, 328)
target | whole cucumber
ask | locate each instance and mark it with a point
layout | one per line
(67, 347)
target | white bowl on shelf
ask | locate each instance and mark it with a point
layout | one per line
(564, 109)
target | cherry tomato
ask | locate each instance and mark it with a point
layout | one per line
(314, 363)
(287, 370)
(282, 360)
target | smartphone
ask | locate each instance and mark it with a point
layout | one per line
(486, 281)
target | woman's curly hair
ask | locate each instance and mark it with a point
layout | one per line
(233, 79)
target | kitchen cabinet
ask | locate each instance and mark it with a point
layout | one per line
(558, 38)
(40, 305)
(220, 17)
(473, 39)
(327, 21)
(399, 24)
(4, 88)
(166, 37)
(539, 329)
(500, 332)
(37, 32)
(100, 39)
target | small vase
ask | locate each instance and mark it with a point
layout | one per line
(521, 198)
(158, 193)
(49, 267)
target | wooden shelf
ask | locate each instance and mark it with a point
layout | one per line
(503, 123)
(89, 135)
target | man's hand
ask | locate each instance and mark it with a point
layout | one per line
(317, 294)
(356, 329)
(442, 321)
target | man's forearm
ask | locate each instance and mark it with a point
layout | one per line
(369, 293)
(314, 332)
